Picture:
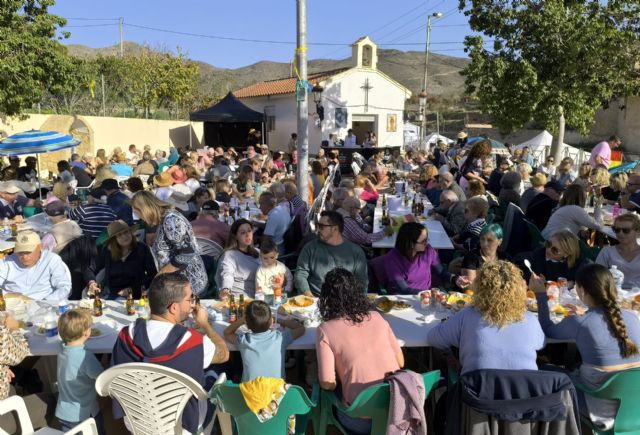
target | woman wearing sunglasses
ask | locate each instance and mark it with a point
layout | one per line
(559, 257)
(626, 254)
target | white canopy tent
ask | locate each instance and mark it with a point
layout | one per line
(540, 146)
(433, 138)
(411, 134)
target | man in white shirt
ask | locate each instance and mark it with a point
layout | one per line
(278, 218)
(350, 141)
(34, 272)
(133, 155)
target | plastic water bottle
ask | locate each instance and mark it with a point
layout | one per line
(616, 211)
(63, 306)
(51, 325)
(618, 276)
(6, 228)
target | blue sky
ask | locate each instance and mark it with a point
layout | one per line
(400, 25)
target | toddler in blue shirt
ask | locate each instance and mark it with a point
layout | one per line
(77, 372)
(262, 348)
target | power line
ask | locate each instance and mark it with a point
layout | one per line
(92, 19)
(90, 25)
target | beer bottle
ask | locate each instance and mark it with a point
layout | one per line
(131, 309)
(3, 304)
(233, 310)
(241, 307)
(384, 200)
(97, 305)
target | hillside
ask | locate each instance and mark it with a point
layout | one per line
(407, 67)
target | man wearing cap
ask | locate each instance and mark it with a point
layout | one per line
(11, 203)
(95, 216)
(601, 153)
(118, 201)
(278, 218)
(63, 230)
(34, 272)
(542, 205)
(207, 225)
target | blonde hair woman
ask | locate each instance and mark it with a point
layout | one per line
(489, 332)
(617, 185)
(101, 158)
(559, 257)
(175, 242)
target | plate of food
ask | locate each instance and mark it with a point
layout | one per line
(401, 305)
(455, 297)
(383, 304)
(298, 303)
(102, 329)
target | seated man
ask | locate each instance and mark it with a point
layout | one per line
(11, 203)
(163, 340)
(450, 213)
(328, 251)
(117, 200)
(278, 218)
(208, 225)
(354, 230)
(34, 272)
(95, 216)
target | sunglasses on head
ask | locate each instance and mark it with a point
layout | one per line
(618, 230)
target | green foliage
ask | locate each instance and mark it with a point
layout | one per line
(550, 57)
(31, 58)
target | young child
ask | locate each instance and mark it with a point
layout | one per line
(77, 372)
(223, 191)
(262, 349)
(272, 272)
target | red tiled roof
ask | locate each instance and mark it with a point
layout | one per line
(282, 86)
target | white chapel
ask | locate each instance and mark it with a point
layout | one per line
(359, 97)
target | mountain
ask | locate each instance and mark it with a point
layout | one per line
(407, 67)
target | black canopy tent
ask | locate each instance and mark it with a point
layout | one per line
(228, 122)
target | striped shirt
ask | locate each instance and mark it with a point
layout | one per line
(93, 218)
(296, 203)
(353, 232)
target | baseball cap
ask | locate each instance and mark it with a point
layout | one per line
(55, 208)
(555, 186)
(210, 206)
(27, 241)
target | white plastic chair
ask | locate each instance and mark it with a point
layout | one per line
(152, 396)
(209, 247)
(355, 168)
(16, 403)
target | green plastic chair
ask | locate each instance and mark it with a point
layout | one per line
(624, 387)
(27, 212)
(372, 403)
(295, 402)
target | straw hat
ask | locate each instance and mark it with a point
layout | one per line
(163, 180)
(115, 228)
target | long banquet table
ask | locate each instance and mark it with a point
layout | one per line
(410, 326)
(438, 238)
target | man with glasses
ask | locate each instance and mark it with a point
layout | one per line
(631, 198)
(328, 251)
(163, 340)
(601, 153)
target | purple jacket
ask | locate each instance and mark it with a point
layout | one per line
(402, 276)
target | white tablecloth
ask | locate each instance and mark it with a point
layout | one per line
(438, 237)
(409, 326)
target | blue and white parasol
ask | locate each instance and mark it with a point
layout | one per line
(36, 142)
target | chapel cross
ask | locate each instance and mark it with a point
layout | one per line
(366, 88)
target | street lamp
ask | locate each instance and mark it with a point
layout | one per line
(317, 98)
(424, 82)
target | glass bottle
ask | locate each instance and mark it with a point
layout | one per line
(3, 304)
(97, 305)
(131, 309)
(233, 310)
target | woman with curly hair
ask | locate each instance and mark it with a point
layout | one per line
(489, 332)
(606, 336)
(353, 342)
(471, 168)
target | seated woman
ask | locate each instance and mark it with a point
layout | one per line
(570, 213)
(200, 196)
(243, 185)
(606, 336)
(490, 239)
(617, 185)
(239, 261)
(127, 263)
(626, 254)
(489, 333)
(584, 176)
(408, 267)
(352, 342)
(559, 257)
(369, 192)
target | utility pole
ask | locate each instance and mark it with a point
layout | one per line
(424, 81)
(104, 107)
(301, 96)
(121, 38)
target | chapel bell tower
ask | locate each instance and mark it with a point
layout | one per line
(364, 53)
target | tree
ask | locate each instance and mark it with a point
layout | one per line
(551, 60)
(30, 54)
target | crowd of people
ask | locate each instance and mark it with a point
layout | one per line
(131, 222)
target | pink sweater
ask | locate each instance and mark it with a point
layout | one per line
(360, 354)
